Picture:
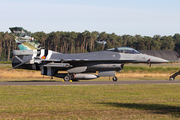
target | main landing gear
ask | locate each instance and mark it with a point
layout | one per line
(68, 77)
(114, 78)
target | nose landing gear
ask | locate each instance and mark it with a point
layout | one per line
(114, 78)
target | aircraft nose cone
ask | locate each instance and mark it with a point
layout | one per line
(153, 59)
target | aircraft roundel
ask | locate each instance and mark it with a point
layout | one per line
(43, 57)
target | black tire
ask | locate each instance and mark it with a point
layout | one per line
(67, 78)
(114, 78)
(171, 78)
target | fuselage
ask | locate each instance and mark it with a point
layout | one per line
(91, 60)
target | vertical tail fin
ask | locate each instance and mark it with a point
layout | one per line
(24, 39)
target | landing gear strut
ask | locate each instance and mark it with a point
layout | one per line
(51, 78)
(114, 78)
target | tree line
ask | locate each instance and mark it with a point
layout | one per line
(76, 42)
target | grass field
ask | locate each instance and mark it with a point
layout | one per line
(150, 102)
(100, 102)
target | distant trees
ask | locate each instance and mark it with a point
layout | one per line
(74, 42)
(6, 45)
(176, 39)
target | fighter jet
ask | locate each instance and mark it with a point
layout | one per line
(79, 66)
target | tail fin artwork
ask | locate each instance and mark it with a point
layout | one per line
(24, 39)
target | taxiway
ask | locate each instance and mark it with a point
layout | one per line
(89, 82)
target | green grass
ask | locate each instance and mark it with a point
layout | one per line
(150, 101)
(5, 66)
(161, 68)
(5, 62)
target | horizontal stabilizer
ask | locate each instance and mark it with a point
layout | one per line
(19, 64)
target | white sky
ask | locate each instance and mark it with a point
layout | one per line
(143, 17)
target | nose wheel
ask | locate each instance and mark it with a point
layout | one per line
(114, 78)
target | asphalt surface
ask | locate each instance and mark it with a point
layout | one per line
(90, 82)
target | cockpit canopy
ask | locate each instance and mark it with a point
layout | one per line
(124, 50)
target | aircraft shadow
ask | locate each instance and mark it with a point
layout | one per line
(153, 108)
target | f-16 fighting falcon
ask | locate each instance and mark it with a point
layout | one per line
(79, 66)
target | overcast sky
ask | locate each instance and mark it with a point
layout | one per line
(142, 17)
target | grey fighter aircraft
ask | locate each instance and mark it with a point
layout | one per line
(79, 66)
